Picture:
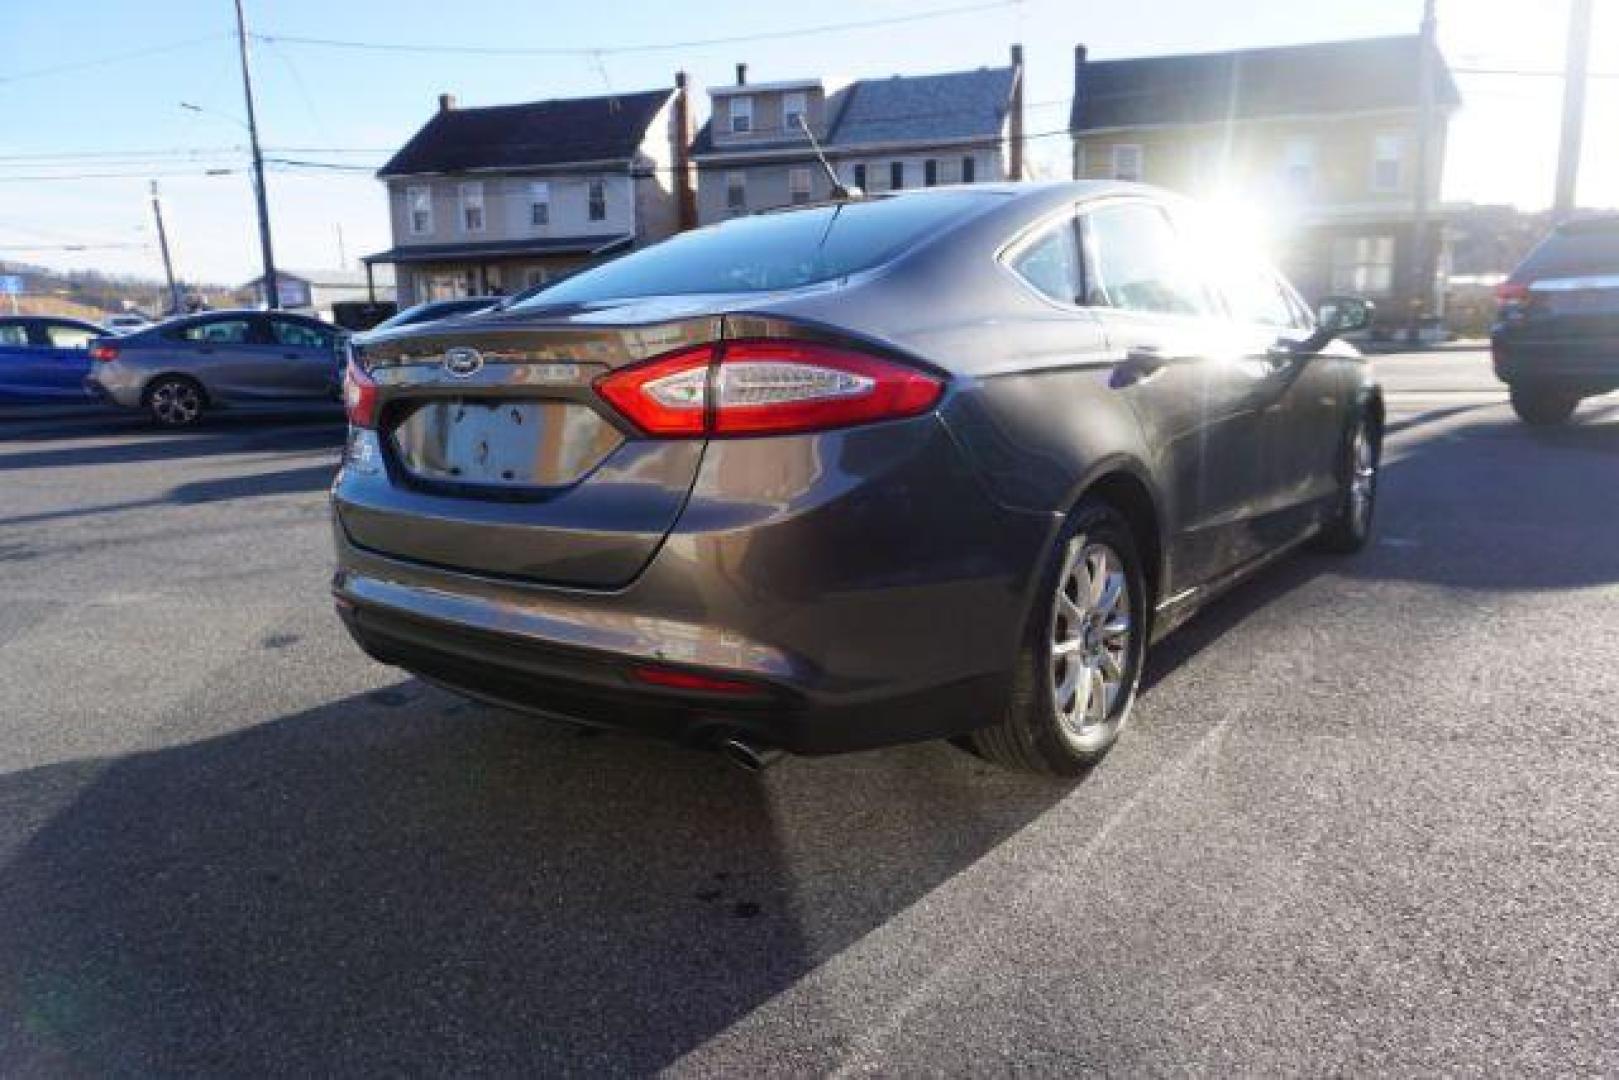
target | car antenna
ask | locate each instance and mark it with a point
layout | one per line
(840, 192)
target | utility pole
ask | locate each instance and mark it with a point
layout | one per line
(1574, 81)
(342, 255)
(163, 246)
(1421, 240)
(272, 291)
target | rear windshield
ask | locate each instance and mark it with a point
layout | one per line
(1580, 247)
(772, 251)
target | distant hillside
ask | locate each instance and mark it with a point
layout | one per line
(88, 294)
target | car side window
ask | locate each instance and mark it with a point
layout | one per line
(13, 334)
(219, 332)
(1256, 298)
(68, 336)
(1050, 262)
(1137, 262)
(301, 335)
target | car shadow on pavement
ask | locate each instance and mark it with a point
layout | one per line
(304, 479)
(1494, 504)
(404, 882)
(250, 434)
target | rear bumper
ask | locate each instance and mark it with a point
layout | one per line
(116, 384)
(869, 610)
(1589, 365)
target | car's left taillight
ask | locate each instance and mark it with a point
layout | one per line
(104, 352)
(766, 388)
(1512, 297)
(359, 395)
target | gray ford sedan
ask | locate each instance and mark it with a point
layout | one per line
(936, 464)
(180, 369)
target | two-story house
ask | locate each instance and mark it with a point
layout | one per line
(1321, 140)
(878, 134)
(497, 199)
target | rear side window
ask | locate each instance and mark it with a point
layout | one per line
(1580, 247)
(13, 334)
(1138, 262)
(772, 251)
(68, 336)
(218, 332)
(1050, 262)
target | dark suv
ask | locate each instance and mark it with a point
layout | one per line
(1556, 338)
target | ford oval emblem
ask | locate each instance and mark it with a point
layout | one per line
(462, 361)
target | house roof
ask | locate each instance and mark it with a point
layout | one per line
(924, 108)
(953, 106)
(1326, 77)
(495, 249)
(561, 131)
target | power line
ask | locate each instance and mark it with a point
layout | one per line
(140, 155)
(139, 175)
(620, 50)
(113, 58)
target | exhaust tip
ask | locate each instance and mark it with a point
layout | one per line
(746, 756)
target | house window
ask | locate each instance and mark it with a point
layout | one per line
(1363, 265)
(598, 201)
(798, 185)
(539, 204)
(1298, 165)
(860, 176)
(896, 175)
(472, 207)
(736, 191)
(1388, 156)
(969, 169)
(793, 111)
(741, 114)
(1127, 162)
(420, 201)
(930, 173)
(534, 275)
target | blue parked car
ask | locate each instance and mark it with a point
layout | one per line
(44, 358)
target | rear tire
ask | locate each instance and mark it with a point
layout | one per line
(1080, 663)
(1543, 407)
(1350, 528)
(175, 401)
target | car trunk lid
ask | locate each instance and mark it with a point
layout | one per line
(498, 457)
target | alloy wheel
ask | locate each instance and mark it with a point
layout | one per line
(1091, 624)
(176, 403)
(1362, 480)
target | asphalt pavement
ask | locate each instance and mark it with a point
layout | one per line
(1363, 820)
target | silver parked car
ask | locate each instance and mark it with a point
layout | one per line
(220, 359)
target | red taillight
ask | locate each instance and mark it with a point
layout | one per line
(676, 679)
(1511, 293)
(359, 396)
(103, 352)
(766, 388)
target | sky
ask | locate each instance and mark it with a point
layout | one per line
(84, 125)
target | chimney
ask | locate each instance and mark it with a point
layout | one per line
(446, 103)
(742, 74)
(685, 198)
(1014, 164)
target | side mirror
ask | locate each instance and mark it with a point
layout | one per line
(1338, 315)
